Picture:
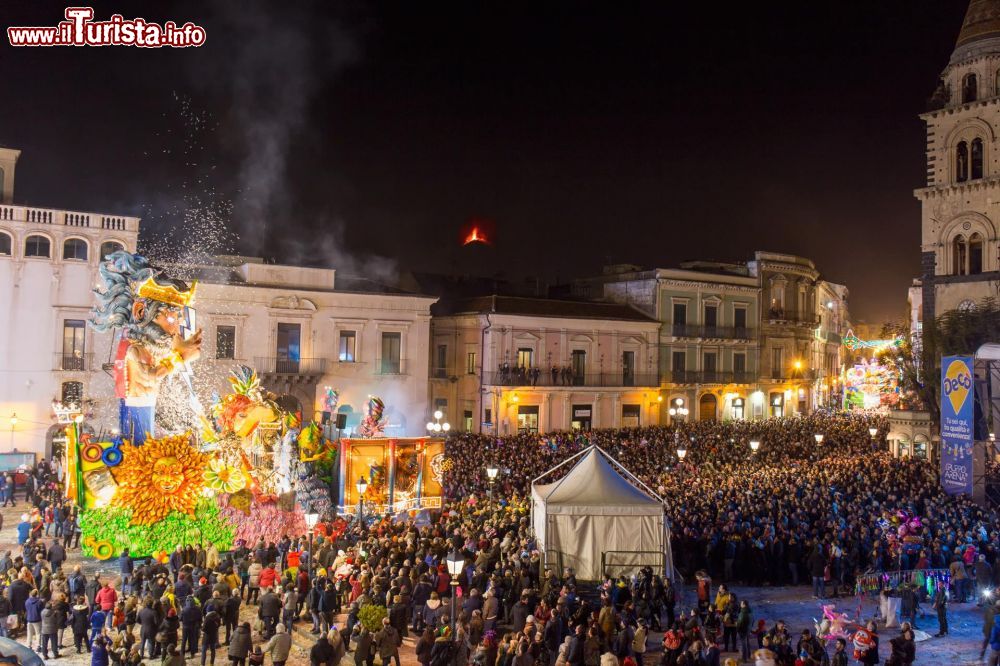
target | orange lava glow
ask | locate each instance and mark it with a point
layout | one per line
(475, 236)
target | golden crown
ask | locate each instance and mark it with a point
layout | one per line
(166, 293)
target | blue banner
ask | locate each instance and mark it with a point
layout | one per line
(957, 401)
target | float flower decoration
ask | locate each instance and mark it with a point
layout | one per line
(224, 478)
(160, 477)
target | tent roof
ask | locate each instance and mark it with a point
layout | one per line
(594, 482)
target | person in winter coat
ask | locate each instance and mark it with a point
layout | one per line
(363, 653)
(33, 617)
(99, 653)
(51, 623)
(279, 646)
(443, 650)
(270, 610)
(166, 633)
(239, 647)
(191, 618)
(79, 622)
(424, 647)
(149, 623)
(172, 657)
(387, 641)
(321, 653)
(253, 581)
(210, 635)
(432, 611)
(336, 641)
(231, 618)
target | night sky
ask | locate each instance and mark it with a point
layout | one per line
(366, 135)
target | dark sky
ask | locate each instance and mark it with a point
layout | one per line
(647, 133)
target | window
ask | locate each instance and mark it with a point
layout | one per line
(740, 320)
(711, 320)
(777, 300)
(288, 350)
(970, 88)
(628, 368)
(391, 362)
(738, 409)
(225, 342)
(527, 418)
(110, 247)
(37, 246)
(708, 364)
(75, 248)
(441, 362)
(739, 365)
(488, 415)
(975, 254)
(996, 83)
(678, 364)
(471, 367)
(977, 159)
(802, 303)
(777, 363)
(348, 347)
(578, 361)
(583, 417)
(958, 255)
(962, 162)
(680, 318)
(525, 357)
(72, 393)
(441, 404)
(5, 244)
(777, 404)
(630, 416)
(74, 339)
(467, 420)
(967, 306)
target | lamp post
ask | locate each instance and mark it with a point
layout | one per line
(873, 432)
(311, 520)
(491, 474)
(681, 452)
(455, 565)
(362, 486)
(677, 409)
(436, 426)
(754, 445)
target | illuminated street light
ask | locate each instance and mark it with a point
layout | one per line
(681, 452)
(819, 438)
(873, 432)
(436, 426)
(754, 445)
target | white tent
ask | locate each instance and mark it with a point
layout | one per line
(599, 508)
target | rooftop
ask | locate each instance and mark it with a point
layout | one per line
(539, 307)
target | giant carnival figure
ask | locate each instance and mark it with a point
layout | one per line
(152, 309)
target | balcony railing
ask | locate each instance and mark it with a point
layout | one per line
(390, 366)
(305, 367)
(540, 377)
(780, 316)
(712, 332)
(709, 377)
(73, 362)
(9, 213)
(793, 375)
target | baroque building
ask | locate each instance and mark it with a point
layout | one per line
(960, 261)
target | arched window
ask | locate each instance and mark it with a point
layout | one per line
(958, 255)
(37, 246)
(75, 248)
(977, 159)
(970, 89)
(72, 393)
(975, 254)
(962, 162)
(110, 247)
(967, 306)
(6, 246)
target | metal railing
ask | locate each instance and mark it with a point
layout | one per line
(73, 361)
(289, 366)
(636, 560)
(781, 316)
(709, 377)
(541, 377)
(793, 375)
(712, 332)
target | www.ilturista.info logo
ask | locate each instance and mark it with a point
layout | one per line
(79, 29)
(957, 384)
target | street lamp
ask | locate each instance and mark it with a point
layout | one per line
(436, 426)
(455, 565)
(681, 452)
(819, 438)
(362, 486)
(311, 520)
(678, 408)
(873, 432)
(754, 445)
(491, 474)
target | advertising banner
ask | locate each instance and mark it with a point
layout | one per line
(957, 401)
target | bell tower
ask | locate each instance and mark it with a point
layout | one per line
(960, 205)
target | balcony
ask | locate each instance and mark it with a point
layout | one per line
(709, 377)
(31, 215)
(712, 332)
(73, 362)
(303, 367)
(793, 375)
(780, 316)
(539, 377)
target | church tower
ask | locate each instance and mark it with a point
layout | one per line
(960, 206)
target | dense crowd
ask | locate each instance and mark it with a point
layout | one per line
(792, 512)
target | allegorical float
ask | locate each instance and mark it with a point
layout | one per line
(248, 470)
